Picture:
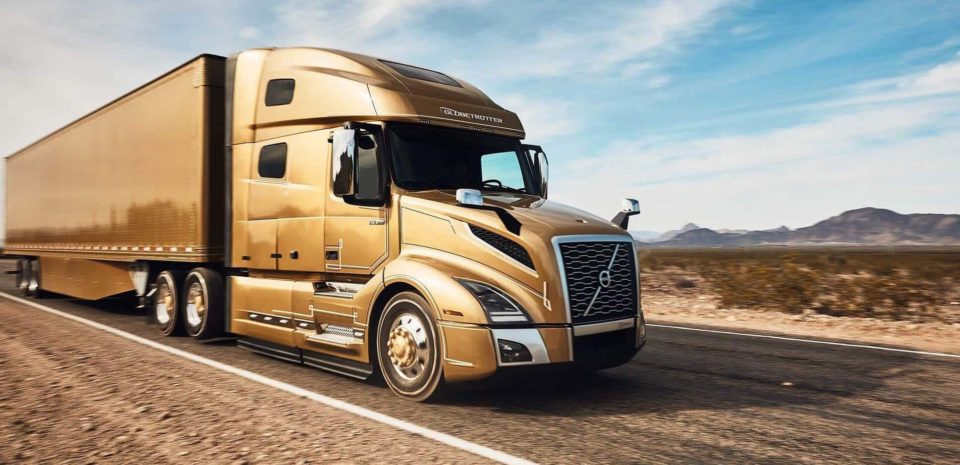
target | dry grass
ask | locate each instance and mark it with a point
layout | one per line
(916, 284)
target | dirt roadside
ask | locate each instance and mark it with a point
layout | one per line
(96, 398)
(663, 303)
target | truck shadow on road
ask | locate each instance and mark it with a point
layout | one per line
(674, 377)
(676, 373)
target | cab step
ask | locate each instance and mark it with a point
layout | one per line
(341, 337)
(336, 289)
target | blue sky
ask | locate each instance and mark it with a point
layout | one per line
(736, 114)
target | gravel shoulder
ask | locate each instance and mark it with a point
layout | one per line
(73, 394)
(663, 303)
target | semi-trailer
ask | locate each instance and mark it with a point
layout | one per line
(331, 209)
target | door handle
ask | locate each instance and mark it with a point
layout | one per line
(276, 255)
(294, 254)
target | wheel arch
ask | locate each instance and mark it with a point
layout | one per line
(376, 310)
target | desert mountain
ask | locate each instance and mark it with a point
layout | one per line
(675, 232)
(864, 226)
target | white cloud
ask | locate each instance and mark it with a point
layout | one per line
(939, 80)
(382, 28)
(656, 82)
(903, 153)
(743, 29)
(655, 27)
(251, 32)
(624, 41)
(542, 120)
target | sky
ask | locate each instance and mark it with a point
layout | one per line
(726, 113)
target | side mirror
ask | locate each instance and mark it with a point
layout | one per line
(344, 162)
(630, 207)
(543, 167)
(540, 167)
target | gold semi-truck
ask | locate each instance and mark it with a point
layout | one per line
(332, 209)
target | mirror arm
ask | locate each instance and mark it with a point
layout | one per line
(623, 219)
(630, 207)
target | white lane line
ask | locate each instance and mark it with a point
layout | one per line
(442, 438)
(810, 341)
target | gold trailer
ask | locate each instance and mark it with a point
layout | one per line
(331, 209)
(140, 179)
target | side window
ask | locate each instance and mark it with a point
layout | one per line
(273, 161)
(279, 92)
(501, 170)
(368, 170)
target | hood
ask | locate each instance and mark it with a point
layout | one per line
(540, 217)
(434, 219)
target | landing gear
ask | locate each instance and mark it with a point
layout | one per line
(408, 347)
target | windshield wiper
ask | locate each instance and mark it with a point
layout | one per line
(506, 189)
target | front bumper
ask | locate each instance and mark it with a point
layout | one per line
(472, 352)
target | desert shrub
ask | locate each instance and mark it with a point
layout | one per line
(911, 284)
(836, 260)
(786, 287)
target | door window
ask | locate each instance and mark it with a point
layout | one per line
(368, 169)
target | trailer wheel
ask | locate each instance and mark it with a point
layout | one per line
(204, 310)
(21, 282)
(166, 302)
(408, 347)
(28, 278)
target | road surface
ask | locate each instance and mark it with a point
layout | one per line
(72, 393)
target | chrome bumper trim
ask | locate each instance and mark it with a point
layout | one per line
(604, 327)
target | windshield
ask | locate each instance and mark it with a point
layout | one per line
(434, 158)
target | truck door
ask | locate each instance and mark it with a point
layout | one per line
(300, 243)
(355, 235)
(267, 187)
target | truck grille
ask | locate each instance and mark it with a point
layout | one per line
(600, 279)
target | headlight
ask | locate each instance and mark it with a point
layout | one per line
(499, 307)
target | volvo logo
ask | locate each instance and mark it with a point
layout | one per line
(604, 278)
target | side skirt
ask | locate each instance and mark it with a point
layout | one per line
(337, 365)
(270, 349)
(343, 367)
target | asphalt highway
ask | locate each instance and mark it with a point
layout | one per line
(688, 397)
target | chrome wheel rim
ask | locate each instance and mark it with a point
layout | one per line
(408, 347)
(166, 303)
(196, 305)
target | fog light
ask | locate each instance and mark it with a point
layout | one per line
(513, 352)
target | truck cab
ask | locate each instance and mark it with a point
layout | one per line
(382, 216)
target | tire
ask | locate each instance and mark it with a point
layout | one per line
(408, 347)
(21, 280)
(31, 279)
(167, 305)
(203, 304)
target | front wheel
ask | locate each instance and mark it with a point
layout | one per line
(408, 347)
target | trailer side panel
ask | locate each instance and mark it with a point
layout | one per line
(139, 179)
